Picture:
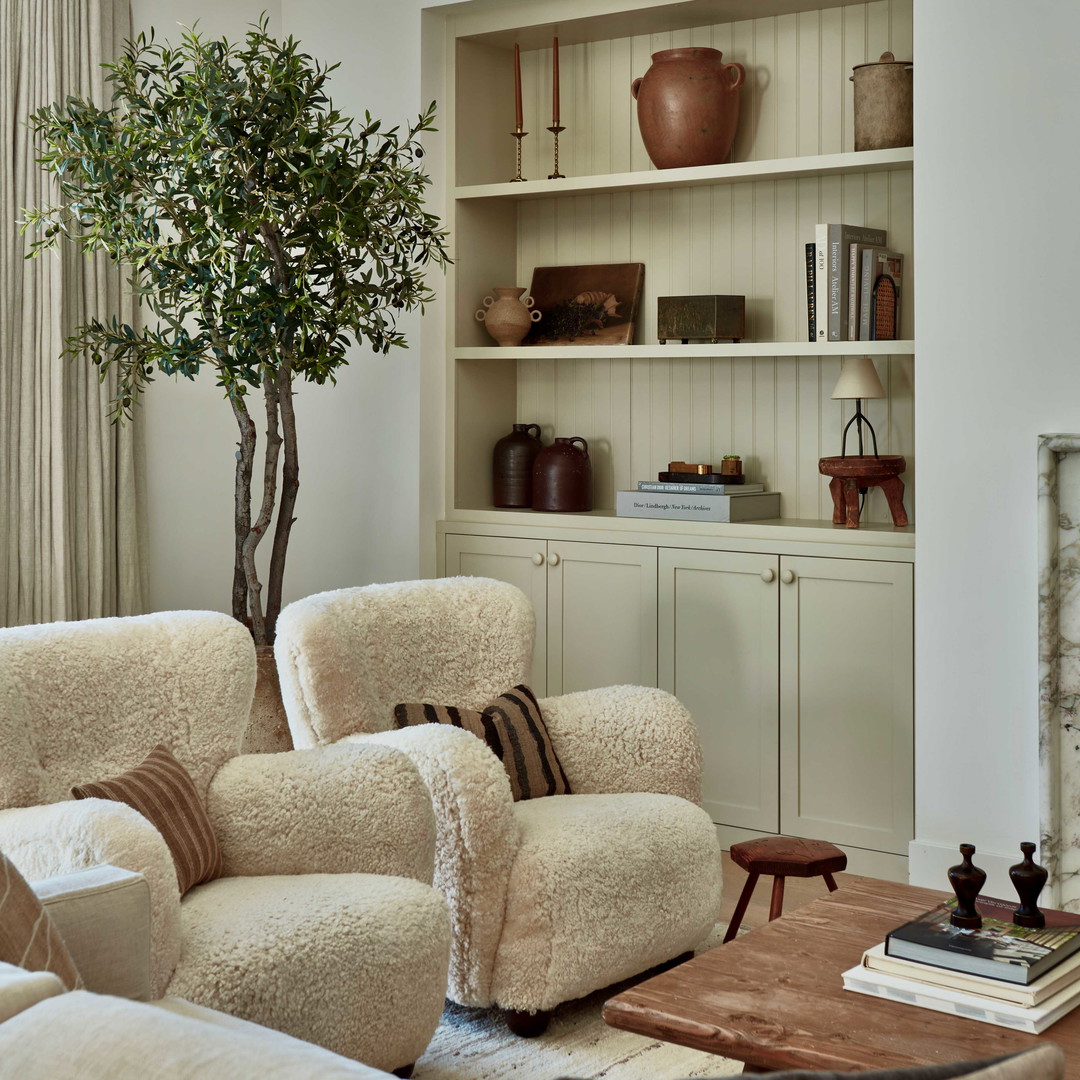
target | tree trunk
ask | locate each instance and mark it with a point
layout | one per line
(245, 457)
(266, 510)
(290, 483)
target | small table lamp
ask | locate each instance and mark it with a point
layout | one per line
(852, 476)
(858, 382)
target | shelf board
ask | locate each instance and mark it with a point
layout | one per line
(637, 530)
(863, 161)
(683, 352)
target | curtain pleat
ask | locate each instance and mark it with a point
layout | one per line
(72, 515)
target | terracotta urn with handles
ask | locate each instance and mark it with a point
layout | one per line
(562, 477)
(506, 316)
(688, 107)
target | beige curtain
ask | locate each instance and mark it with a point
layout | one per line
(71, 512)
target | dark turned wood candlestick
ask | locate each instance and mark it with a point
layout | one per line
(1028, 879)
(967, 881)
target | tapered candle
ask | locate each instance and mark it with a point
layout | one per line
(517, 87)
(555, 85)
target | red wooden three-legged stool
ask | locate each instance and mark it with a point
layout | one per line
(783, 857)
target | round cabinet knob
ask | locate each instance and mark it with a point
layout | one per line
(553, 559)
(768, 576)
(787, 576)
(538, 559)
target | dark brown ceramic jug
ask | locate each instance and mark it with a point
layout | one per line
(512, 467)
(688, 107)
(562, 477)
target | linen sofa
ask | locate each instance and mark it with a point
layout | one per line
(554, 897)
(323, 923)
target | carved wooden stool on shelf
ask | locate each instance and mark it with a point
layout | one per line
(783, 857)
(853, 474)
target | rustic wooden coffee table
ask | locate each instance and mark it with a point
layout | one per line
(773, 998)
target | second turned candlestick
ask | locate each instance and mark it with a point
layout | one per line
(519, 135)
(555, 129)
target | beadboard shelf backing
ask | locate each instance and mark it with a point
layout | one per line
(777, 413)
(797, 100)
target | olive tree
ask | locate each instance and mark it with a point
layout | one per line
(264, 232)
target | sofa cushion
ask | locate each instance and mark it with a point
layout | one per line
(97, 1037)
(28, 938)
(513, 727)
(162, 790)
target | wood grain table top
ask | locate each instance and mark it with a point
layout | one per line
(774, 997)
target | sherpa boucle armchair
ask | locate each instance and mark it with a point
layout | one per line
(552, 897)
(323, 924)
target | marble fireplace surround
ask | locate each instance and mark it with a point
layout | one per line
(1059, 666)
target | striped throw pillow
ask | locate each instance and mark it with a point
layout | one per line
(162, 790)
(28, 938)
(513, 727)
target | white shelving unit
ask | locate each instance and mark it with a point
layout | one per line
(613, 594)
(734, 228)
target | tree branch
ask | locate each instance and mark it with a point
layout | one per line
(245, 457)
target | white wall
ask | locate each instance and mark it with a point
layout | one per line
(357, 510)
(997, 220)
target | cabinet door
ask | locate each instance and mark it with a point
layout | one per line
(601, 616)
(719, 655)
(520, 562)
(846, 709)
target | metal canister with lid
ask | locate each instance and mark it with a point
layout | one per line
(882, 103)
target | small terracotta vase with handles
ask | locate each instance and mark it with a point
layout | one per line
(688, 107)
(506, 316)
(512, 467)
(562, 477)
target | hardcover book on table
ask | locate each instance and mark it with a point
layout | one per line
(969, 1006)
(1000, 950)
(1065, 974)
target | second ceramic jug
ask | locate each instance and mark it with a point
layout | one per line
(562, 477)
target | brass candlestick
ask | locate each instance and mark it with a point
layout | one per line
(519, 135)
(555, 129)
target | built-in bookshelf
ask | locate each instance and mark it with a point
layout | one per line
(734, 228)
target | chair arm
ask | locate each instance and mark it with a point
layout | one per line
(19, 989)
(59, 838)
(330, 809)
(625, 738)
(103, 915)
(477, 838)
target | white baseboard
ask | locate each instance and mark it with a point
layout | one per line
(929, 867)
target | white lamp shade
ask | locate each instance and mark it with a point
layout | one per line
(858, 379)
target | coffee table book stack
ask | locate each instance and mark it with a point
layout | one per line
(981, 958)
(693, 492)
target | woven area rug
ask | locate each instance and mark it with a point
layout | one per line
(474, 1044)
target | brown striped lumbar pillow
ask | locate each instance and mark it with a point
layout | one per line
(513, 727)
(162, 790)
(28, 938)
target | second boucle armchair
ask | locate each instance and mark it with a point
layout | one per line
(551, 897)
(323, 923)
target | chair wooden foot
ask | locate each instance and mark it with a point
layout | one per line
(527, 1025)
(776, 904)
(404, 1071)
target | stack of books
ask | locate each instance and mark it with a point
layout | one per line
(853, 285)
(691, 501)
(1002, 974)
